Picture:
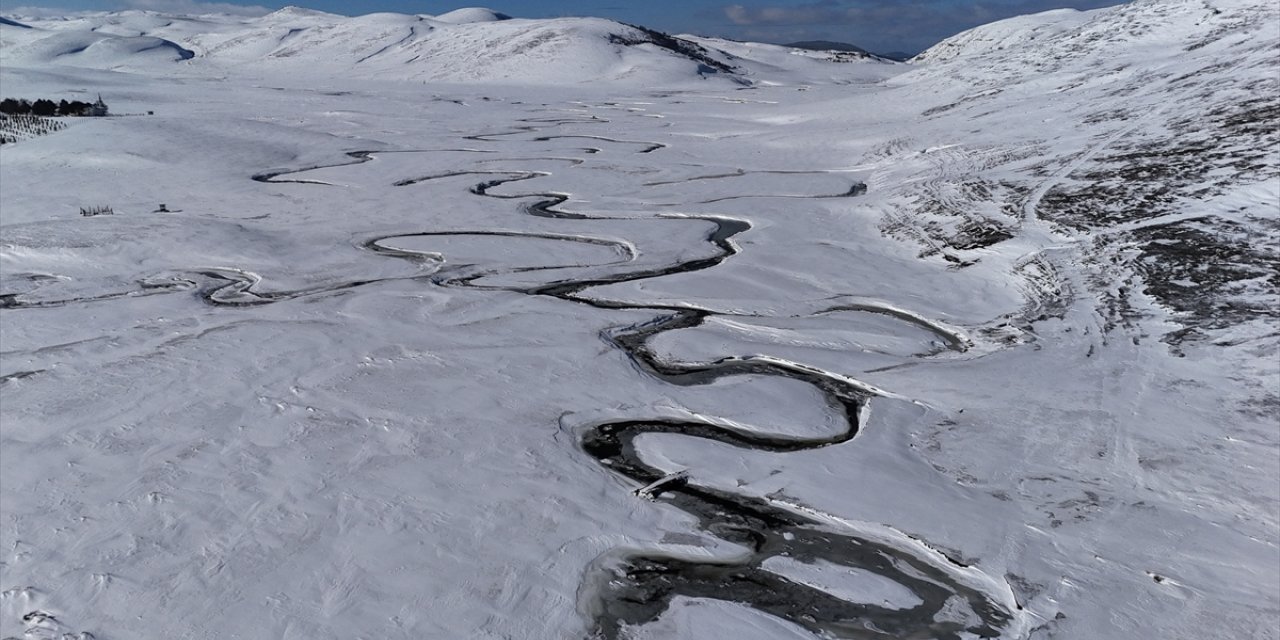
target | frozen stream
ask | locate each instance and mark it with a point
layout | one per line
(636, 587)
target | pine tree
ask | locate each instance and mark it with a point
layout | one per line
(44, 107)
(14, 107)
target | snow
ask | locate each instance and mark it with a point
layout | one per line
(853, 585)
(329, 395)
(93, 49)
(471, 14)
(1013, 33)
(711, 618)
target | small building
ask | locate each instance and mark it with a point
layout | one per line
(97, 109)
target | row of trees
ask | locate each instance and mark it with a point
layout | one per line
(43, 107)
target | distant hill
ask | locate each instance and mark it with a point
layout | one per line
(900, 56)
(845, 47)
(470, 45)
(471, 14)
(825, 45)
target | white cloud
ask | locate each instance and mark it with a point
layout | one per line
(823, 12)
(195, 7)
(44, 12)
(188, 7)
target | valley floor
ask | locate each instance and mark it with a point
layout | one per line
(411, 361)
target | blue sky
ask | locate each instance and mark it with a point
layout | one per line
(878, 25)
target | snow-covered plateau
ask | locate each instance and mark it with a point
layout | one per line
(475, 327)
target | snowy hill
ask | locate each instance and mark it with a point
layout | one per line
(471, 14)
(1177, 95)
(465, 45)
(781, 64)
(125, 41)
(93, 49)
(1020, 33)
(470, 45)
(415, 47)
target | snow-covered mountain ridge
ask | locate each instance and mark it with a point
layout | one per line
(465, 45)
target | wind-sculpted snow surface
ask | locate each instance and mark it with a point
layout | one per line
(983, 351)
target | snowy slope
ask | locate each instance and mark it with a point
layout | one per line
(471, 14)
(1019, 34)
(983, 346)
(90, 43)
(413, 48)
(760, 62)
(1177, 113)
(90, 49)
